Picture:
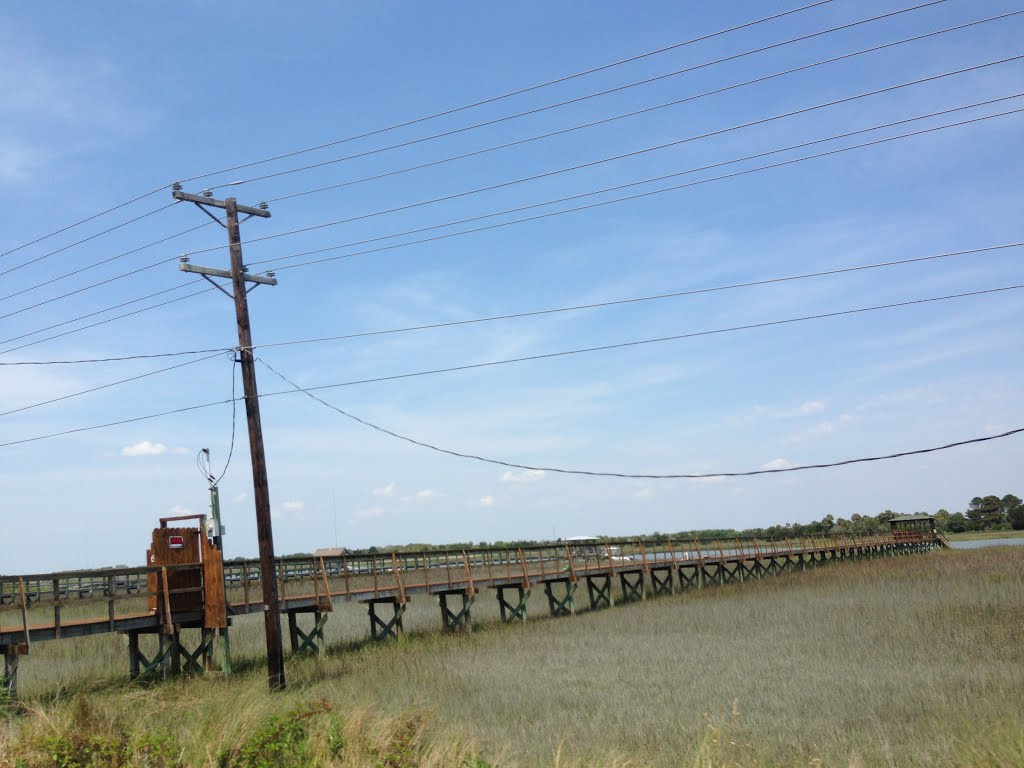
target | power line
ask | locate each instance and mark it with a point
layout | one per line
(78, 318)
(87, 239)
(549, 310)
(117, 359)
(578, 99)
(622, 156)
(523, 141)
(108, 385)
(118, 423)
(107, 260)
(521, 91)
(425, 118)
(607, 120)
(546, 356)
(234, 412)
(626, 475)
(660, 340)
(670, 144)
(565, 211)
(85, 288)
(98, 323)
(638, 299)
(84, 221)
(276, 262)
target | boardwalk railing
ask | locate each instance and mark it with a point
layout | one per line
(134, 601)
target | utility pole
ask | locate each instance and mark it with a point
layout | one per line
(261, 487)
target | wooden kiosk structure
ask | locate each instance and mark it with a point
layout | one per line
(185, 585)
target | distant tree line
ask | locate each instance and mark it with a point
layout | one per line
(983, 513)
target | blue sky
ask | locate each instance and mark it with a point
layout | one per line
(103, 102)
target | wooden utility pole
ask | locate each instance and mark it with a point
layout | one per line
(261, 487)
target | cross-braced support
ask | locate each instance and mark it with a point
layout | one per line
(750, 568)
(599, 590)
(689, 580)
(632, 588)
(712, 574)
(172, 657)
(458, 619)
(307, 642)
(732, 575)
(386, 628)
(564, 605)
(661, 582)
(513, 611)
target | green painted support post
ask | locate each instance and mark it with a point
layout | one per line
(599, 590)
(459, 619)
(662, 584)
(509, 611)
(632, 590)
(688, 582)
(381, 629)
(561, 606)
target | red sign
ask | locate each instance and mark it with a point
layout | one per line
(176, 542)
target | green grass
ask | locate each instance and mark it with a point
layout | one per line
(974, 535)
(913, 661)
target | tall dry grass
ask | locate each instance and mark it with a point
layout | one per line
(912, 661)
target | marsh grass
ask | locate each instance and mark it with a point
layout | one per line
(908, 661)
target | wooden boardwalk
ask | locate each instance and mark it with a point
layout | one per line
(139, 601)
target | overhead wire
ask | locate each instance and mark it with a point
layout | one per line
(427, 117)
(234, 421)
(87, 219)
(279, 265)
(87, 239)
(546, 356)
(630, 475)
(107, 260)
(108, 385)
(662, 339)
(97, 323)
(600, 161)
(530, 139)
(621, 116)
(520, 91)
(640, 299)
(94, 313)
(578, 99)
(548, 310)
(114, 359)
(278, 260)
(705, 135)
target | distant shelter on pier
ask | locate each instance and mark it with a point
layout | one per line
(913, 523)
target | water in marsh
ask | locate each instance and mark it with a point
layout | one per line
(975, 543)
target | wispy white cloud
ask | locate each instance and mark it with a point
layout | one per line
(486, 501)
(387, 491)
(240, 498)
(777, 464)
(643, 493)
(426, 493)
(144, 448)
(370, 512)
(179, 510)
(293, 506)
